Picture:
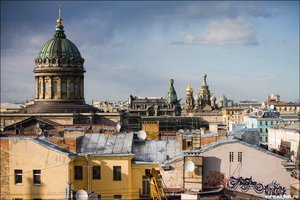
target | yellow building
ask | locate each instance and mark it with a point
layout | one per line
(235, 115)
(152, 129)
(103, 164)
(32, 169)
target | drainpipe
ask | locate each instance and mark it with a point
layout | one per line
(68, 191)
(88, 173)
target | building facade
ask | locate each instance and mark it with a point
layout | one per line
(234, 159)
(285, 138)
(262, 121)
(98, 163)
(156, 106)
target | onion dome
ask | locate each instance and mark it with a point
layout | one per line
(197, 97)
(59, 51)
(212, 98)
(189, 89)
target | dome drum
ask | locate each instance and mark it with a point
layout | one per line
(59, 62)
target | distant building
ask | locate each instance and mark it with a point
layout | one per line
(107, 106)
(234, 115)
(247, 135)
(262, 120)
(249, 104)
(203, 101)
(156, 106)
(10, 107)
(288, 110)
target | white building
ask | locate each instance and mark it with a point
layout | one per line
(238, 160)
(285, 138)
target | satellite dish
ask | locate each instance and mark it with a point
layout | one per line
(118, 127)
(272, 107)
(260, 113)
(93, 196)
(189, 166)
(141, 135)
(81, 195)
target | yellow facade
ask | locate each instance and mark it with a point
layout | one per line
(130, 185)
(57, 169)
(28, 155)
(152, 129)
(234, 115)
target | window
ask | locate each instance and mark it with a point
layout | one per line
(117, 173)
(146, 186)
(230, 156)
(96, 172)
(240, 157)
(36, 177)
(78, 172)
(18, 176)
(117, 197)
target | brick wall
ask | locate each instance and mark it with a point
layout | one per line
(208, 140)
(68, 143)
(4, 168)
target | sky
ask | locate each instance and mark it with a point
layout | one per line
(248, 49)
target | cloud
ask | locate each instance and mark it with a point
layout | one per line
(225, 32)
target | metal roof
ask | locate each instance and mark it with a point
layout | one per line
(106, 144)
(156, 150)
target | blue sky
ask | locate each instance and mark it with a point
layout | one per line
(247, 49)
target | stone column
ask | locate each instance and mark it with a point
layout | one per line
(48, 88)
(36, 87)
(58, 88)
(41, 87)
(68, 87)
(76, 87)
(82, 87)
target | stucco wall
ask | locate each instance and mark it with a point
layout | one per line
(262, 166)
(28, 155)
(106, 186)
(174, 178)
(276, 136)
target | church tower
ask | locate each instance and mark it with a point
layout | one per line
(189, 99)
(204, 92)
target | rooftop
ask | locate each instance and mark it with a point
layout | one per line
(106, 144)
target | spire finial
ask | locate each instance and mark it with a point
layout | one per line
(59, 20)
(59, 9)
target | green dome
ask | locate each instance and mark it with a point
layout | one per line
(59, 47)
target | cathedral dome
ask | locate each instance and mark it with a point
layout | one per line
(59, 50)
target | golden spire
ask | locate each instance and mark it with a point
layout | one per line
(59, 20)
(189, 88)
